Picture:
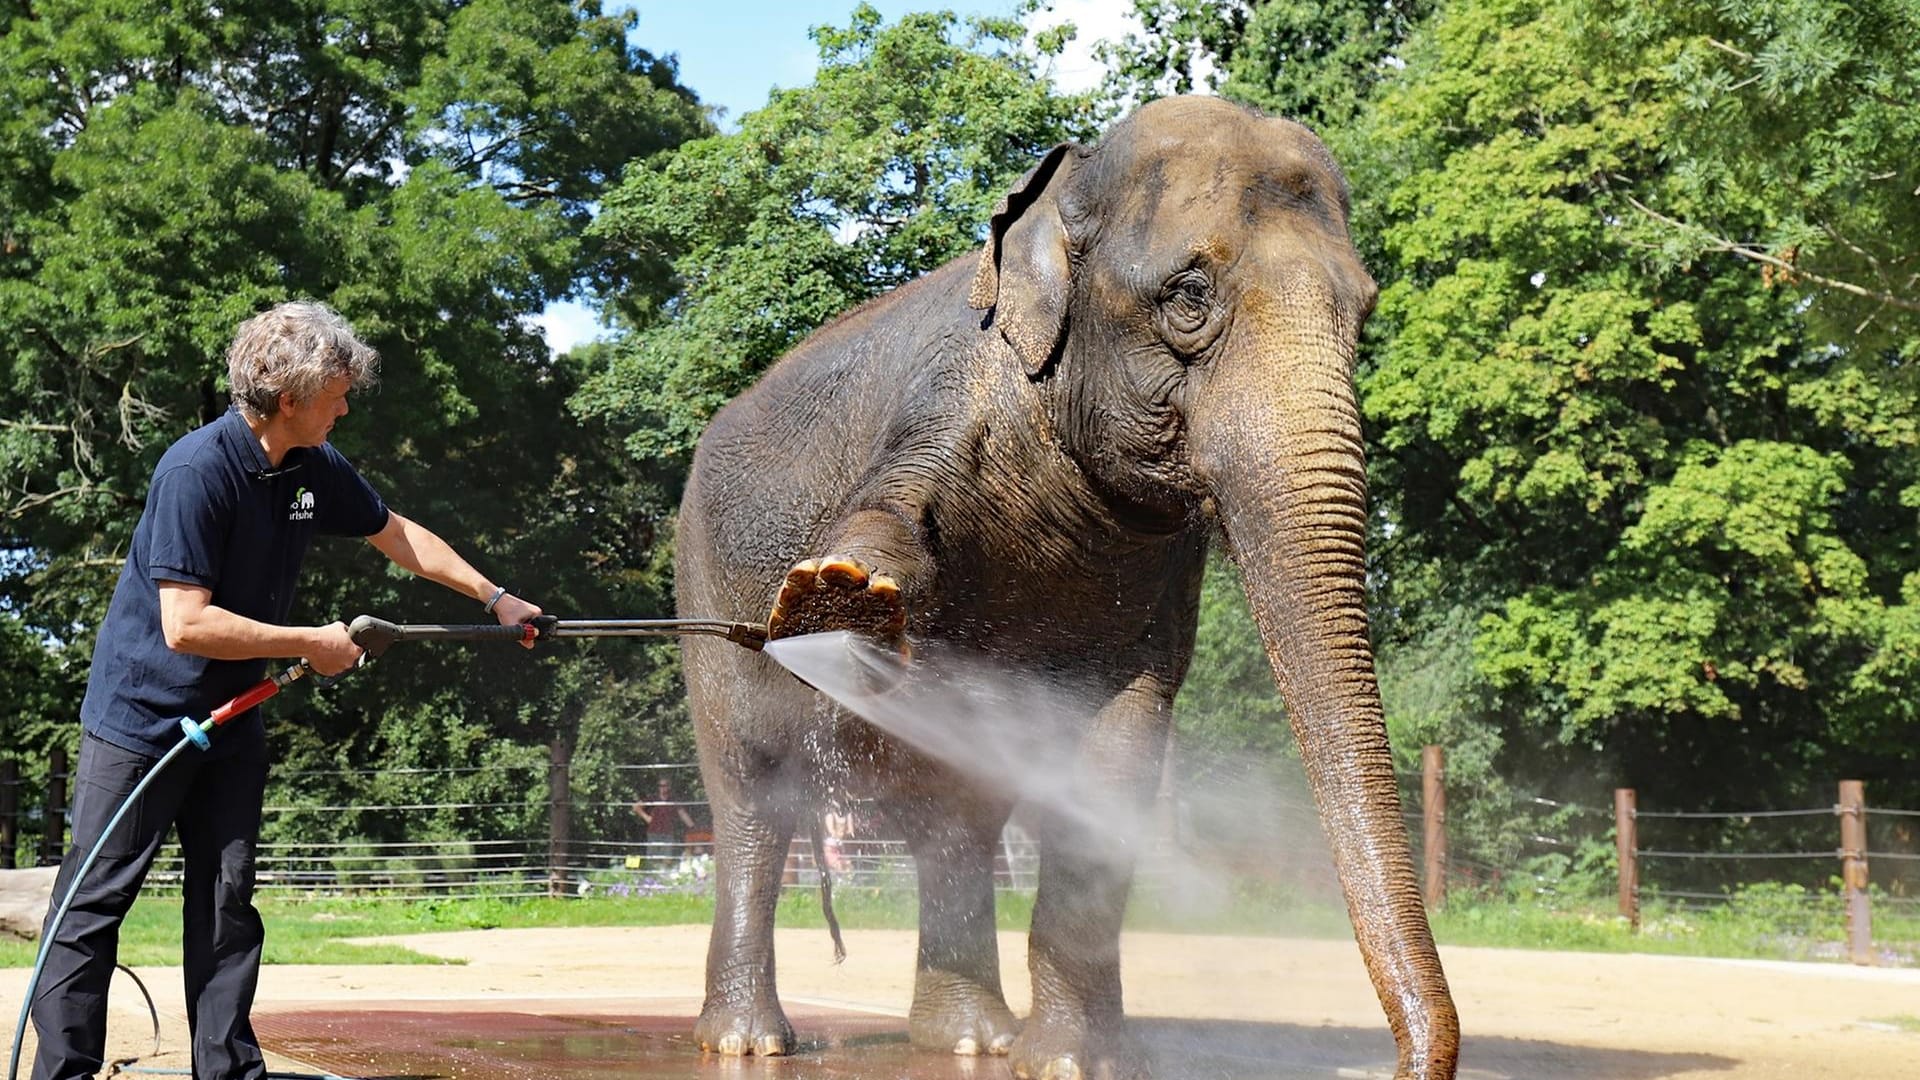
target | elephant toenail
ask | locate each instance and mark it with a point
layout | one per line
(1062, 1068)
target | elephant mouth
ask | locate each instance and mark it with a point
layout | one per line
(1142, 466)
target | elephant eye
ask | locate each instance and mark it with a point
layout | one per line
(1186, 302)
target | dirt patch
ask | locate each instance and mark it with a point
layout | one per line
(1299, 1007)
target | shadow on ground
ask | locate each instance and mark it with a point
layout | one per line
(1233, 1050)
(402, 1043)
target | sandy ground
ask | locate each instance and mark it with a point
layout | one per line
(1526, 1014)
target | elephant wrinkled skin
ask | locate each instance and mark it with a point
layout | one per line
(1023, 456)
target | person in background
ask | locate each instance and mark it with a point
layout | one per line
(202, 603)
(837, 824)
(667, 822)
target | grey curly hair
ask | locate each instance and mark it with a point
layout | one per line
(295, 348)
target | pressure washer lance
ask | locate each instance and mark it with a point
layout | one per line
(374, 636)
(377, 635)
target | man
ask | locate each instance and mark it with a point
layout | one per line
(201, 604)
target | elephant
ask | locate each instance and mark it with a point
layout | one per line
(1024, 456)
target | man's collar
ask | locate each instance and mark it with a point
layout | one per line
(253, 456)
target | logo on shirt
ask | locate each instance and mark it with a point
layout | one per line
(302, 508)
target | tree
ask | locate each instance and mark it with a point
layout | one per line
(1681, 500)
(1796, 122)
(1315, 61)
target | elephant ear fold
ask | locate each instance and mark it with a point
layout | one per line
(1025, 272)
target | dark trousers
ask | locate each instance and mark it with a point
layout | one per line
(215, 802)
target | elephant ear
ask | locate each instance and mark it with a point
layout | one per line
(1025, 272)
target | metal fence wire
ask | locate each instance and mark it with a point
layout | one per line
(541, 829)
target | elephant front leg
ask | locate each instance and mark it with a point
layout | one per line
(958, 1003)
(742, 1014)
(1078, 1027)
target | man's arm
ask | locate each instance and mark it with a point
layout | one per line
(193, 623)
(414, 547)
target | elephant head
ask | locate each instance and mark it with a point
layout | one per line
(1187, 299)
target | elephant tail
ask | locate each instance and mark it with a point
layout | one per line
(826, 891)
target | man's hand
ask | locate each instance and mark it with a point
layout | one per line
(513, 611)
(332, 650)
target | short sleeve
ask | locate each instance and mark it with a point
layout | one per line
(187, 525)
(352, 507)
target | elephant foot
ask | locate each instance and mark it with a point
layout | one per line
(965, 1019)
(737, 1032)
(1062, 1051)
(838, 593)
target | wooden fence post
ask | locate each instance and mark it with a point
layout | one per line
(1433, 809)
(9, 812)
(559, 813)
(1626, 843)
(53, 834)
(1853, 869)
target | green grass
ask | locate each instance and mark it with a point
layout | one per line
(313, 931)
(1766, 922)
(1904, 1023)
(1769, 923)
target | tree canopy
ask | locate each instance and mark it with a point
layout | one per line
(1614, 415)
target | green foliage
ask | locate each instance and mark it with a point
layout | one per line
(1228, 709)
(1793, 138)
(1667, 496)
(1560, 880)
(42, 682)
(1645, 430)
(1315, 61)
(1179, 48)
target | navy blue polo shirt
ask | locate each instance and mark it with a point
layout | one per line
(220, 517)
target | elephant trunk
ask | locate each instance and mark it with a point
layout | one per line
(1287, 472)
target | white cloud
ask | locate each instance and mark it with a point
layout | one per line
(1076, 70)
(566, 324)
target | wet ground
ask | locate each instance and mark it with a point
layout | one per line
(404, 1041)
(564, 1003)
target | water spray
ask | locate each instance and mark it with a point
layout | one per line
(375, 637)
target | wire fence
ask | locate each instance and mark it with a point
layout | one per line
(1835, 894)
(539, 829)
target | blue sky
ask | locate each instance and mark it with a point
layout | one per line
(734, 52)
